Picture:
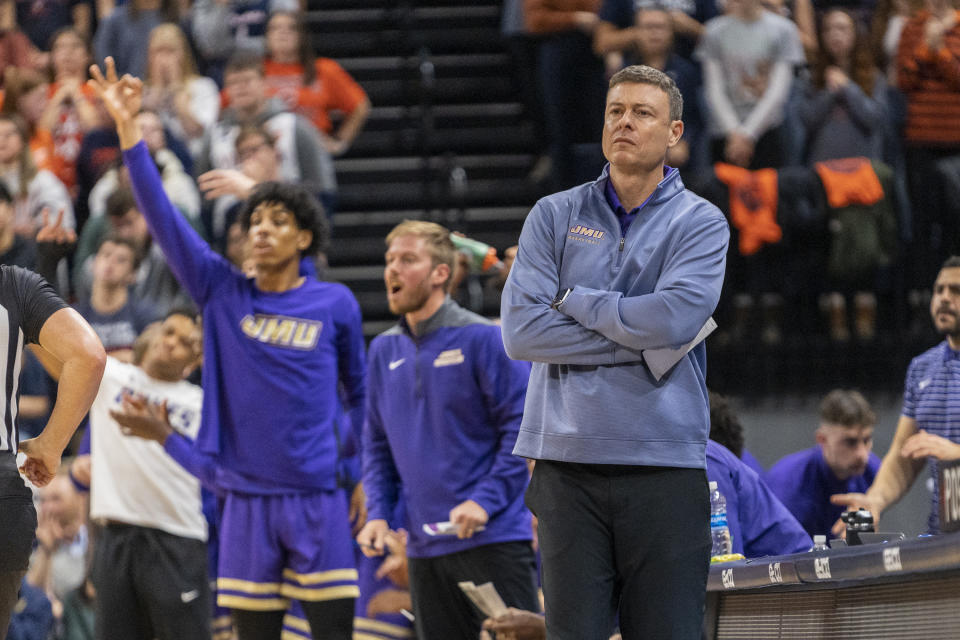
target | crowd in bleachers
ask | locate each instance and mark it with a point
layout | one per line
(827, 132)
(779, 97)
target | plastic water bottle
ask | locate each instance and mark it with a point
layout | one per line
(719, 531)
(483, 257)
(820, 543)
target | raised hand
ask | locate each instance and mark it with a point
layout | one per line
(55, 232)
(223, 182)
(122, 98)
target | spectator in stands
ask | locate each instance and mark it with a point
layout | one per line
(927, 430)
(647, 37)
(748, 58)
(687, 20)
(259, 161)
(861, 10)
(841, 462)
(40, 19)
(889, 19)
(177, 182)
(259, 330)
(99, 152)
(16, 50)
(111, 311)
(303, 157)
(14, 248)
(58, 564)
(33, 189)
(572, 84)
(221, 28)
(25, 96)
(70, 111)
(188, 104)
(32, 615)
(124, 33)
(237, 247)
(154, 287)
(523, 48)
(150, 561)
(44, 252)
(929, 76)
(314, 87)
(78, 613)
(444, 408)
(845, 108)
(845, 115)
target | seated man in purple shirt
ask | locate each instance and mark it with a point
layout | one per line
(759, 523)
(841, 462)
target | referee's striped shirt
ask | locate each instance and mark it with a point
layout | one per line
(26, 301)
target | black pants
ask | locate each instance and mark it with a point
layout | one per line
(150, 584)
(633, 540)
(328, 620)
(18, 523)
(442, 611)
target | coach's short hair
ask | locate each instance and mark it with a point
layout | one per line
(643, 74)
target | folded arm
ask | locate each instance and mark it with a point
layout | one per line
(672, 315)
(533, 329)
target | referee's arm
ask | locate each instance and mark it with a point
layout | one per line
(72, 353)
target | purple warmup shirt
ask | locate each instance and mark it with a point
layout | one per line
(272, 360)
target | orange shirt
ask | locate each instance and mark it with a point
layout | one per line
(931, 82)
(57, 150)
(332, 90)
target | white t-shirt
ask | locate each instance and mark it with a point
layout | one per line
(134, 480)
(747, 53)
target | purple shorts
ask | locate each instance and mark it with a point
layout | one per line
(277, 548)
